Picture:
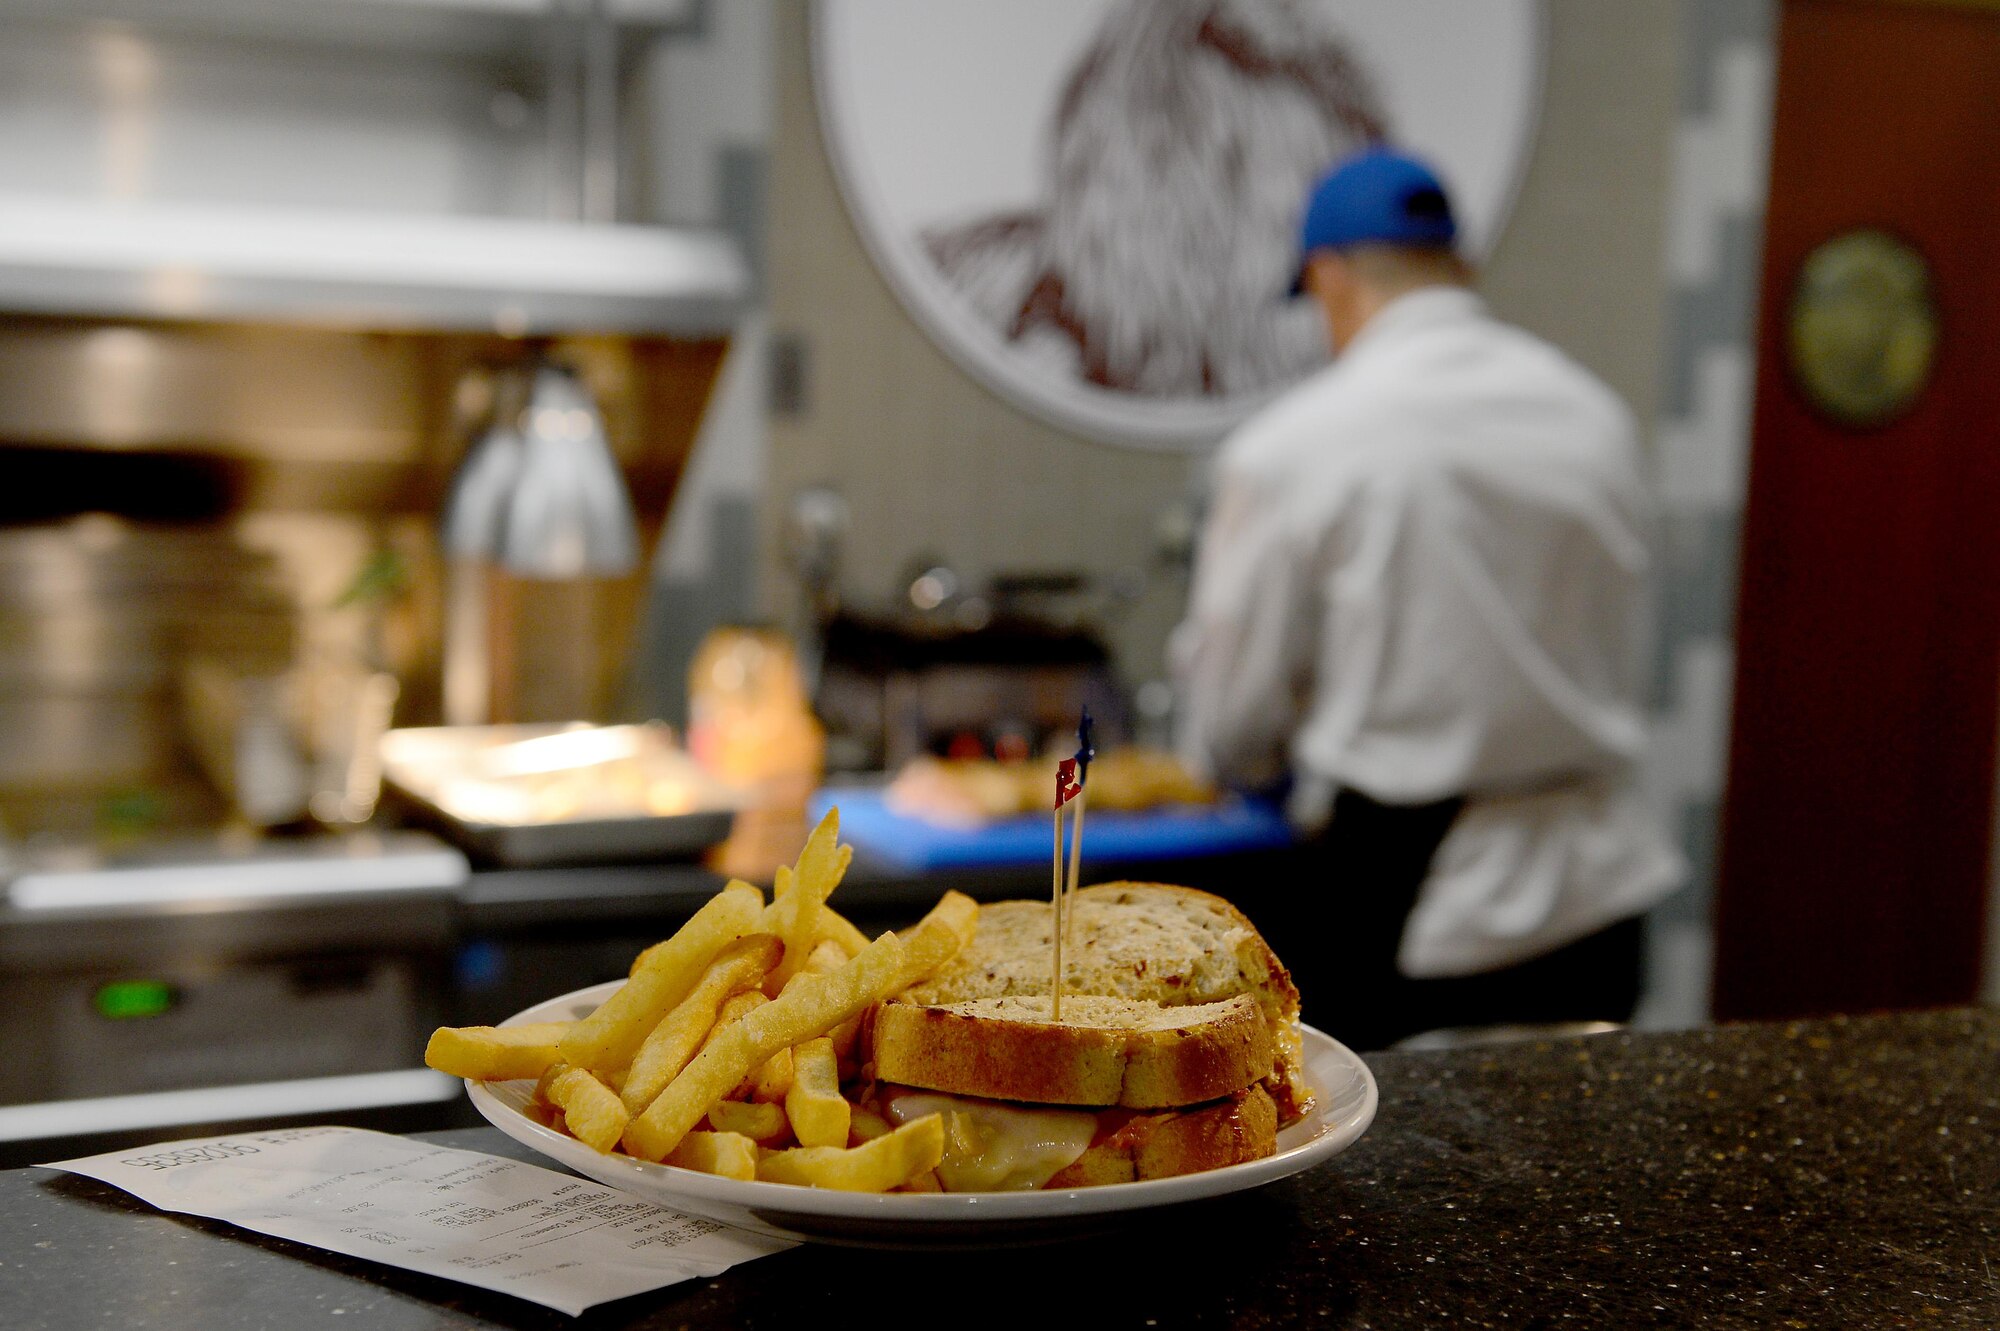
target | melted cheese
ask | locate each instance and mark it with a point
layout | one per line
(994, 1147)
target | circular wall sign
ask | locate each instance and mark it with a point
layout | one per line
(1092, 205)
(1863, 328)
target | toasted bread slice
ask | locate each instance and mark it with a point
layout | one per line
(1170, 945)
(1104, 1051)
(1144, 941)
(1161, 1145)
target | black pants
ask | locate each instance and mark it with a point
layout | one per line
(1338, 925)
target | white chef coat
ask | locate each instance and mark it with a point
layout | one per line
(1423, 577)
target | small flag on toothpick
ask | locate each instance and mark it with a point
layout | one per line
(1086, 749)
(1072, 774)
(1068, 783)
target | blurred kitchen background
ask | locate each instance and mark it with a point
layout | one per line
(370, 366)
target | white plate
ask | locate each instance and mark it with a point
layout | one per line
(1343, 1089)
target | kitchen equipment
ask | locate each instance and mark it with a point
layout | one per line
(240, 730)
(350, 707)
(475, 513)
(536, 795)
(359, 164)
(894, 686)
(98, 619)
(513, 275)
(545, 563)
(250, 253)
(815, 538)
(539, 537)
(222, 980)
(568, 515)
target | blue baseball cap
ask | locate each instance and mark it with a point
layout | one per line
(1377, 197)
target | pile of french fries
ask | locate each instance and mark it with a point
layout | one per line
(724, 1050)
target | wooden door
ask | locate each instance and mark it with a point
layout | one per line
(1854, 858)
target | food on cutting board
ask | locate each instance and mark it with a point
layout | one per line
(974, 791)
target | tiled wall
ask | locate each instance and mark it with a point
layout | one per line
(1715, 230)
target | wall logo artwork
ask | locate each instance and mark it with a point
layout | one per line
(1091, 204)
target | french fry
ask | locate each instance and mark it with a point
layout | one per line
(808, 1008)
(495, 1053)
(773, 1077)
(761, 1123)
(819, 1114)
(824, 861)
(833, 926)
(794, 913)
(839, 930)
(827, 958)
(738, 1005)
(771, 1081)
(939, 936)
(735, 1009)
(647, 954)
(924, 1182)
(729, 1154)
(606, 1040)
(741, 965)
(887, 1162)
(594, 1114)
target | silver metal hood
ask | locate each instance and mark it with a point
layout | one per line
(366, 164)
(228, 263)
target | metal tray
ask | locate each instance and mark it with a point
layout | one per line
(579, 841)
(532, 844)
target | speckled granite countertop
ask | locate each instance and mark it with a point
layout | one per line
(1823, 1175)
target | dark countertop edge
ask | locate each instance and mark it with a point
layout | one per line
(1740, 1177)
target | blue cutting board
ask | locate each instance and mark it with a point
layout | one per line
(1157, 834)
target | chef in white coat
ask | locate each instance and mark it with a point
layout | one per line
(1419, 603)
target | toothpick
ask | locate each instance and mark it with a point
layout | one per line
(1080, 765)
(1056, 924)
(1075, 863)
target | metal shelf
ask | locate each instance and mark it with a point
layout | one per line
(364, 270)
(487, 28)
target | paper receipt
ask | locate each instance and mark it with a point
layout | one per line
(560, 1241)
